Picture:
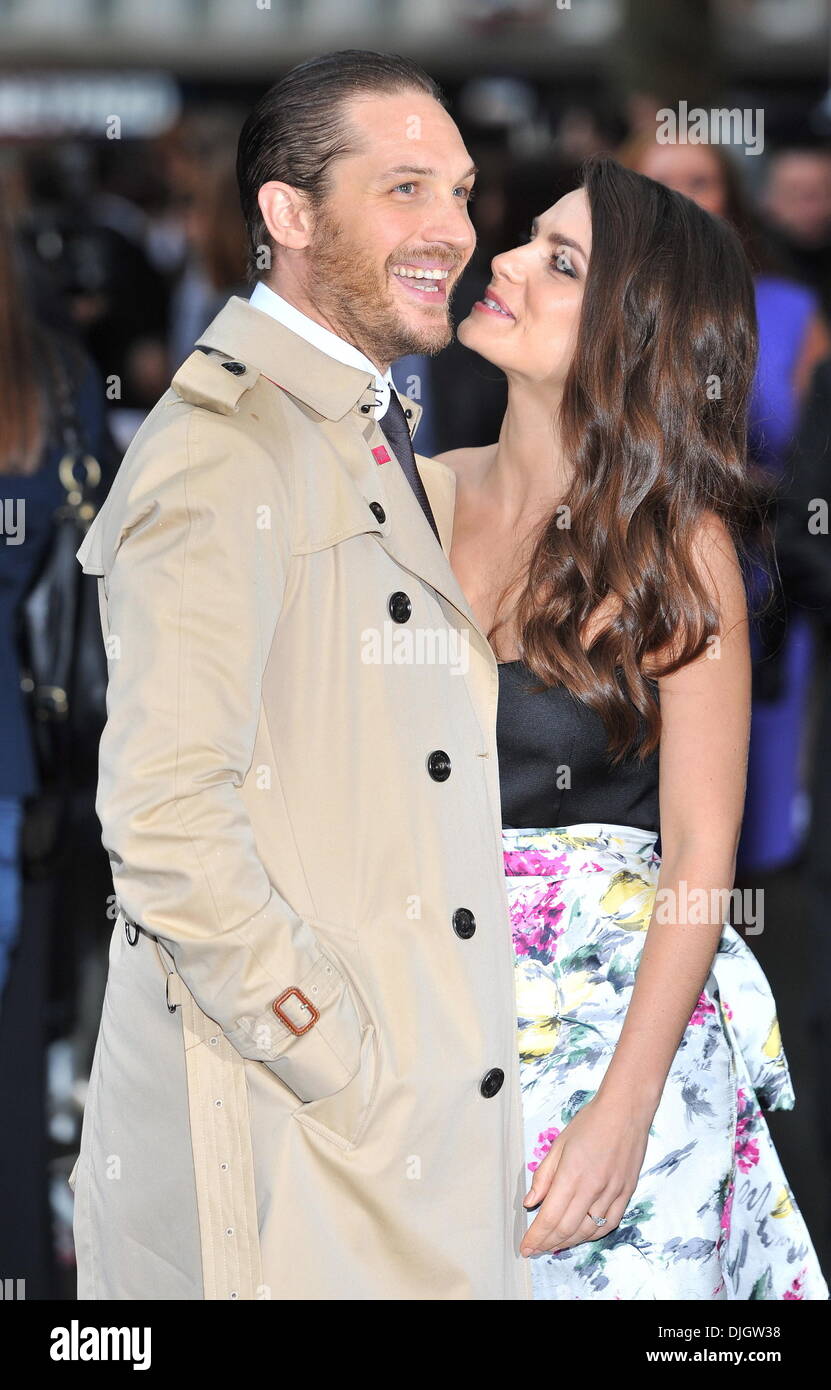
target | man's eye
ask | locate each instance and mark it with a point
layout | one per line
(399, 186)
(469, 193)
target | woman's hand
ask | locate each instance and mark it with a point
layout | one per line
(592, 1166)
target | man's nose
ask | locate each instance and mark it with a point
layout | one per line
(451, 225)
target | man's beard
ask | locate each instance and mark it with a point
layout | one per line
(355, 297)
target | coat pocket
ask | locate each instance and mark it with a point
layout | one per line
(342, 1117)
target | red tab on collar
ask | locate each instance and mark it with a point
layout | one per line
(380, 454)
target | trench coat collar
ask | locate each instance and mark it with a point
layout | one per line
(330, 387)
(333, 390)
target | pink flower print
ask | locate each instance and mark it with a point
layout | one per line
(746, 1148)
(747, 1154)
(796, 1291)
(534, 923)
(702, 1009)
(544, 1142)
(532, 863)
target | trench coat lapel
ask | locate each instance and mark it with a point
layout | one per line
(334, 392)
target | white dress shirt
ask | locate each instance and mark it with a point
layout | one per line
(266, 300)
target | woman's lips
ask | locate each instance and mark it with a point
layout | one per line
(501, 312)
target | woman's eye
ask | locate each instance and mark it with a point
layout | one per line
(561, 262)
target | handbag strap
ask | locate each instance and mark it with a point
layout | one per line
(71, 432)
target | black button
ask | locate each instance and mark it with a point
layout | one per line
(377, 511)
(408, 413)
(235, 368)
(399, 606)
(492, 1082)
(438, 765)
(366, 409)
(464, 922)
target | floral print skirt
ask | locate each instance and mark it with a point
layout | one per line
(712, 1216)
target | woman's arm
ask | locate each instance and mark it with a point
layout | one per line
(595, 1163)
(705, 712)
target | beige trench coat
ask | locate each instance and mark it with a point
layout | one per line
(279, 817)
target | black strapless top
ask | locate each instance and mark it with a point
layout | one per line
(554, 766)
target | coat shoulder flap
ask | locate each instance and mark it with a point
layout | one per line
(214, 380)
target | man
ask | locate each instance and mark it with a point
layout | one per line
(306, 1083)
(796, 198)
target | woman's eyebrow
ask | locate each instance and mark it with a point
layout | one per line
(560, 238)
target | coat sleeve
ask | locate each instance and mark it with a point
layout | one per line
(194, 581)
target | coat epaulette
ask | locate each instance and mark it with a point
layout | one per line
(215, 381)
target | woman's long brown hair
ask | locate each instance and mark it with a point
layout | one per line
(654, 420)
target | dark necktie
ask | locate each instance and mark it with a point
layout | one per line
(397, 435)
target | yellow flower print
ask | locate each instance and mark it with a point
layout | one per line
(629, 900)
(538, 1010)
(773, 1041)
(784, 1203)
(576, 988)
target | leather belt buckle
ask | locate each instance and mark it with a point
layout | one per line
(290, 1024)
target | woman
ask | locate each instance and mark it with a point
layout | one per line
(42, 368)
(597, 544)
(793, 338)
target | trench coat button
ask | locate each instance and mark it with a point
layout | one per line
(408, 413)
(235, 368)
(438, 765)
(464, 922)
(365, 409)
(492, 1082)
(399, 606)
(377, 511)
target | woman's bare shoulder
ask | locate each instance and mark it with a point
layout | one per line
(468, 464)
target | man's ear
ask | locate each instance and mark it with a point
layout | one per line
(286, 213)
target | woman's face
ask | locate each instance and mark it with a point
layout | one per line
(689, 169)
(527, 321)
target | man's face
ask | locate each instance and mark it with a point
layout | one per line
(393, 235)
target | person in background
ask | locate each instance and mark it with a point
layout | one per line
(92, 244)
(215, 264)
(33, 936)
(803, 544)
(793, 338)
(796, 200)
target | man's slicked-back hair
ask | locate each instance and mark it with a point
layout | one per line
(297, 129)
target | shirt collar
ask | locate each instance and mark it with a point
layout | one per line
(269, 302)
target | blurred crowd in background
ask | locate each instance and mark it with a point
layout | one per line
(115, 254)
